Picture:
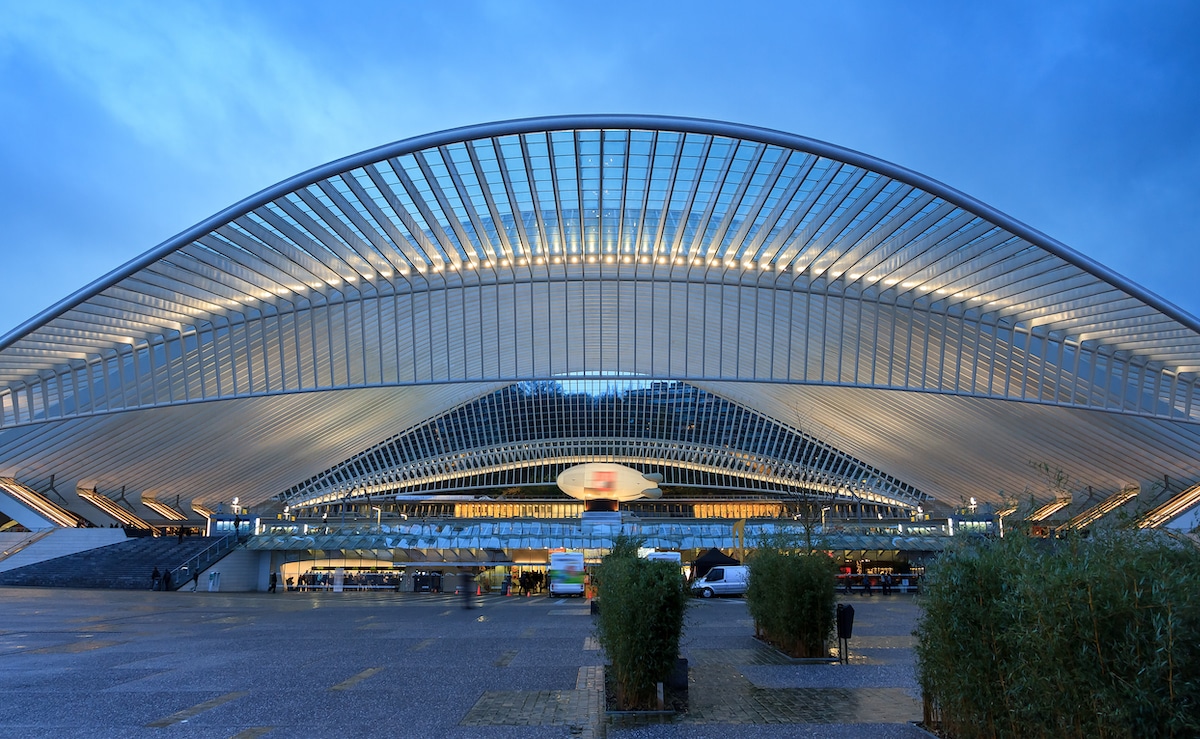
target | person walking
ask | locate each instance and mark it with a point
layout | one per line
(154, 578)
(166, 580)
(274, 582)
(195, 579)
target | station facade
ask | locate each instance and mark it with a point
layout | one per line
(390, 357)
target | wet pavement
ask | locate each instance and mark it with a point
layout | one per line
(76, 663)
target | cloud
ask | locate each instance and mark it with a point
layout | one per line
(187, 80)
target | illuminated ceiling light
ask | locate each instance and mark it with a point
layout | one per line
(504, 262)
(890, 281)
(470, 265)
(1049, 509)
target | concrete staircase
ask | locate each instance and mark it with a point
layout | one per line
(123, 566)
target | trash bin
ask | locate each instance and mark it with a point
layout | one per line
(845, 621)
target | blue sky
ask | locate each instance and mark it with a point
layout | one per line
(124, 123)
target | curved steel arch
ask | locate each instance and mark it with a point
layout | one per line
(600, 121)
(669, 248)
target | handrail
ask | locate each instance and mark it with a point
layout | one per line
(205, 557)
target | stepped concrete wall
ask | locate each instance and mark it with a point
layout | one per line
(61, 543)
(242, 571)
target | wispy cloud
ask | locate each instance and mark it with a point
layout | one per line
(188, 79)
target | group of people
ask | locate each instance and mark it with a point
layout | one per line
(885, 583)
(162, 580)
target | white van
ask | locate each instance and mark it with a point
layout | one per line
(723, 580)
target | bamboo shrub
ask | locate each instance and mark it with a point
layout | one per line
(1069, 638)
(642, 606)
(791, 595)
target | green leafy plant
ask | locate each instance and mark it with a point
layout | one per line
(791, 595)
(640, 622)
(1078, 637)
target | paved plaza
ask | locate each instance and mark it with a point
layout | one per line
(88, 663)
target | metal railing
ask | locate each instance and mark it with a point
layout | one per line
(197, 562)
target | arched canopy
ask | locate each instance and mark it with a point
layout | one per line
(893, 318)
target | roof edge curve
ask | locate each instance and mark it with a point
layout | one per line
(601, 120)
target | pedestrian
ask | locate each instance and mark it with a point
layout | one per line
(866, 584)
(274, 582)
(195, 579)
(154, 577)
(464, 580)
(166, 579)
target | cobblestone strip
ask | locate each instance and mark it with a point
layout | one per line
(720, 694)
(505, 658)
(590, 684)
(582, 709)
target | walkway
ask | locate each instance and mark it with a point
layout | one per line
(76, 663)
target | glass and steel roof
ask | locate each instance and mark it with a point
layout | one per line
(884, 309)
(526, 434)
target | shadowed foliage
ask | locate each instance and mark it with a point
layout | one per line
(1071, 638)
(792, 596)
(642, 604)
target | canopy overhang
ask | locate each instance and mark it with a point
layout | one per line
(885, 313)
